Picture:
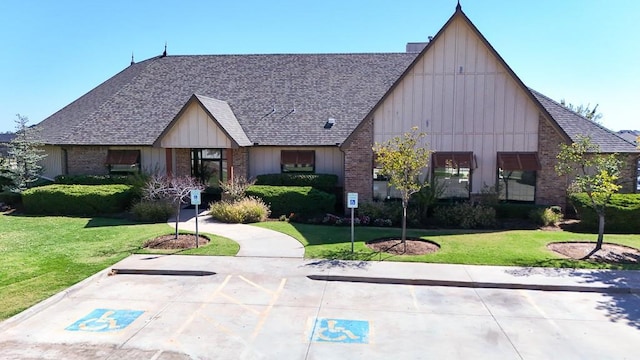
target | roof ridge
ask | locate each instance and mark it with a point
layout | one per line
(566, 109)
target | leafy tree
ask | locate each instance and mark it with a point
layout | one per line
(584, 111)
(402, 159)
(176, 190)
(593, 173)
(26, 153)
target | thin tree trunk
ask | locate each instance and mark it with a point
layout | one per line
(600, 231)
(404, 225)
(177, 219)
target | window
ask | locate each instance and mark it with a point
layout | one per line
(297, 161)
(209, 165)
(453, 170)
(123, 161)
(517, 176)
(381, 188)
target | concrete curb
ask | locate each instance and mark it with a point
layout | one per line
(44, 304)
(165, 272)
(474, 284)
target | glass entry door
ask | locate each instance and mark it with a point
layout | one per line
(210, 166)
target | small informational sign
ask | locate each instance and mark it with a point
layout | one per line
(195, 197)
(352, 200)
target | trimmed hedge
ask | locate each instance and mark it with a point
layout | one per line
(87, 200)
(284, 200)
(323, 182)
(10, 198)
(622, 215)
(515, 210)
(93, 179)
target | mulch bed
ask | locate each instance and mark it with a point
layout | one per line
(610, 253)
(415, 246)
(184, 241)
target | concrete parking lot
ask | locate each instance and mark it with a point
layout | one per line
(268, 308)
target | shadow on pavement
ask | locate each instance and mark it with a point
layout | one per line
(620, 306)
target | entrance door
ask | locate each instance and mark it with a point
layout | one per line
(210, 166)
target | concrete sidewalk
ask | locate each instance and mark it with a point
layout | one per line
(474, 276)
(258, 242)
(253, 241)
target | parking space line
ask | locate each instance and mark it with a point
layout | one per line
(265, 313)
(255, 285)
(412, 290)
(204, 303)
(237, 302)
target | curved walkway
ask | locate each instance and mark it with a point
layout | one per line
(254, 241)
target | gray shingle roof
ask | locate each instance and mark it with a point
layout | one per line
(277, 99)
(576, 126)
(221, 111)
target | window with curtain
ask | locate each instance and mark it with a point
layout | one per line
(297, 161)
(123, 161)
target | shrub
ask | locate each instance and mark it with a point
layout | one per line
(546, 217)
(235, 189)
(323, 182)
(10, 198)
(88, 200)
(384, 210)
(284, 200)
(465, 215)
(92, 179)
(516, 210)
(152, 211)
(246, 210)
(621, 215)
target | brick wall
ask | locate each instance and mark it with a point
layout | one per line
(183, 162)
(629, 173)
(551, 189)
(82, 160)
(241, 162)
(358, 160)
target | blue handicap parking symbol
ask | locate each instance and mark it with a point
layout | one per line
(341, 331)
(102, 320)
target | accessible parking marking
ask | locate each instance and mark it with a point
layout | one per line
(340, 331)
(103, 320)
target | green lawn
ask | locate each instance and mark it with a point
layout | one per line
(508, 248)
(39, 256)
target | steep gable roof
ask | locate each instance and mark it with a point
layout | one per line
(278, 99)
(220, 112)
(576, 126)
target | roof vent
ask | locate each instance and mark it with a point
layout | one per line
(330, 122)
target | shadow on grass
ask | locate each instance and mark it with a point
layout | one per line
(621, 303)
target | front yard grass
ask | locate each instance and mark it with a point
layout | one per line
(40, 256)
(492, 247)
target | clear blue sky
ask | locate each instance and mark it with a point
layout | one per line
(52, 52)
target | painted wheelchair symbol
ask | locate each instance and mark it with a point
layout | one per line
(103, 320)
(341, 331)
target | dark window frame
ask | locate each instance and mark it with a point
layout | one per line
(298, 161)
(123, 161)
(519, 165)
(456, 164)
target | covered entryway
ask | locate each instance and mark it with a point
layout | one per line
(201, 141)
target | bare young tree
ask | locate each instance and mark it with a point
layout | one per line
(175, 190)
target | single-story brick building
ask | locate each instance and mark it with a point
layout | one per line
(218, 116)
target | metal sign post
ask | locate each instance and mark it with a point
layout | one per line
(195, 200)
(352, 203)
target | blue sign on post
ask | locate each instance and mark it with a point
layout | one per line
(341, 331)
(103, 320)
